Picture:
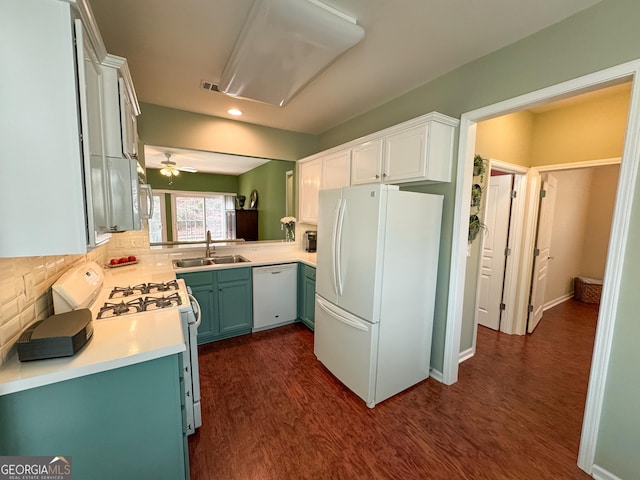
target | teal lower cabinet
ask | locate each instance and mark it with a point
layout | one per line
(306, 294)
(202, 288)
(126, 423)
(225, 297)
(234, 301)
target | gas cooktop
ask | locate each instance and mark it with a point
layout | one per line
(143, 297)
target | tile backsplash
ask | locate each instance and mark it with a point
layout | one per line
(25, 283)
(25, 291)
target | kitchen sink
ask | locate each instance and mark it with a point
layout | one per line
(202, 262)
(192, 262)
(229, 259)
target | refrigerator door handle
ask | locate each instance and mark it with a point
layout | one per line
(347, 319)
(334, 234)
(338, 248)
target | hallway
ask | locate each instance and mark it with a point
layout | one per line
(271, 411)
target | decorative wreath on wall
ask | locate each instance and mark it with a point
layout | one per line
(475, 224)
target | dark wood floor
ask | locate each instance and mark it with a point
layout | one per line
(272, 411)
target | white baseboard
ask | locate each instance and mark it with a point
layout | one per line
(600, 473)
(436, 375)
(557, 301)
(466, 354)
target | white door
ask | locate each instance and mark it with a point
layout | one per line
(497, 214)
(543, 244)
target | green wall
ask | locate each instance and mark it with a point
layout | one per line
(193, 182)
(269, 181)
(594, 39)
(168, 127)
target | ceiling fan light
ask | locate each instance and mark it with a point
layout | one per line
(165, 172)
(272, 61)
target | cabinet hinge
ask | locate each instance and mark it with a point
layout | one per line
(514, 194)
(503, 306)
(543, 193)
(530, 308)
(536, 252)
(507, 252)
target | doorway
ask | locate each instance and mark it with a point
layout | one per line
(577, 243)
(504, 283)
(617, 245)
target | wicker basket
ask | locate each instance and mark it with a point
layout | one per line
(587, 290)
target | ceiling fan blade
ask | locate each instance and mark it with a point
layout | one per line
(187, 169)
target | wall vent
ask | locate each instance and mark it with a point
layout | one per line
(209, 86)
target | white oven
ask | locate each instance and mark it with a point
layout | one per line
(82, 287)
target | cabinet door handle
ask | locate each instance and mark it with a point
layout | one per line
(384, 175)
(377, 176)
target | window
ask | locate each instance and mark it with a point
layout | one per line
(191, 215)
(157, 230)
(194, 214)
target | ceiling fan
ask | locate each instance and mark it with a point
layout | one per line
(171, 169)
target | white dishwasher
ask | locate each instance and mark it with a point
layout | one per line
(275, 295)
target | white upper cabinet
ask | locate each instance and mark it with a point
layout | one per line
(336, 170)
(53, 177)
(416, 151)
(331, 171)
(366, 164)
(53, 130)
(405, 155)
(90, 88)
(120, 109)
(310, 174)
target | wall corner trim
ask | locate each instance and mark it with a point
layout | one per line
(600, 473)
(436, 375)
(467, 354)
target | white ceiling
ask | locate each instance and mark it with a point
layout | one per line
(171, 46)
(208, 162)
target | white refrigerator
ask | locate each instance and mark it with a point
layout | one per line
(376, 275)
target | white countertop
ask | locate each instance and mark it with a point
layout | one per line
(122, 341)
(116, 342)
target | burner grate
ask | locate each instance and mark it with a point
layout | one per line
(156, 303)
(119, 292)
(162, 287)
(117, 309)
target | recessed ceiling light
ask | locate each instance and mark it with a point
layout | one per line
(234, 111)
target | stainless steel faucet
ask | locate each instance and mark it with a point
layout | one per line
(208, 250)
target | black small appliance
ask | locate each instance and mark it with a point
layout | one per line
(309, 240)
